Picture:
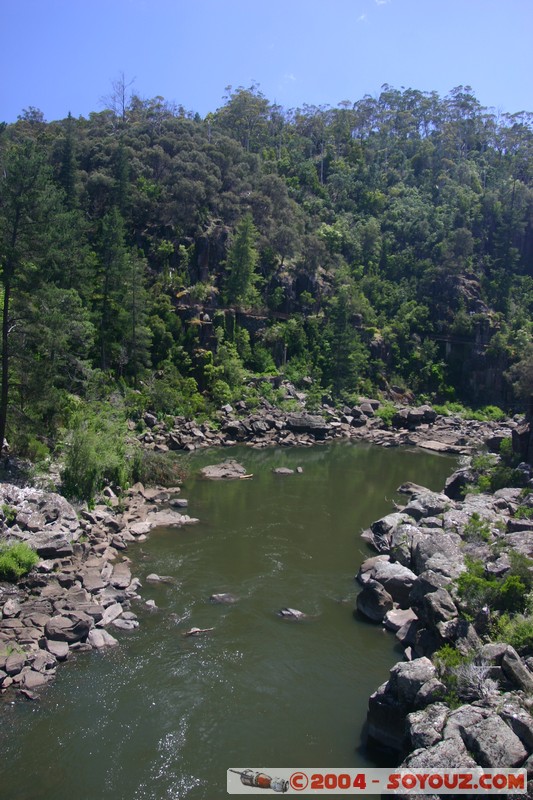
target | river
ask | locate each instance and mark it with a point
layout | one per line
(163, 715)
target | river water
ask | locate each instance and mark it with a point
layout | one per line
(163, 715)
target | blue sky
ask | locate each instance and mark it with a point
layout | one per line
(61, 55)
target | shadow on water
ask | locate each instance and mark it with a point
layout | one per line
(164, 715)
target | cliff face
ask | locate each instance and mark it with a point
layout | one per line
(460, 699)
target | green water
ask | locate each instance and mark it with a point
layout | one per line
(163, 716)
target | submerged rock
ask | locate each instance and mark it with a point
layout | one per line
(223, 598)
(291, 613)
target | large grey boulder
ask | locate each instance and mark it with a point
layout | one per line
(447, 754)
(408, 677)
(308, 423)
(494, 744)
(366, 570)
(381, 531)
(457, 482)
(227, 470)
(427, 582)
(402, 543)
(520, 721)
(465, 716)
(438, 606)
(427, 504)
(440, 552)
(396, 579)
(374, 601)
(425, 726)
(51, 545)
(72, 628)
(386, 719)
(516, 671)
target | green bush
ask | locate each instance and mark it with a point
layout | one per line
(509, 594)
(386, 413)
(524, 512)
(96, 452)
(476, 529)
(9, 514)
(16, 560)
(158, 469)
(517, 631)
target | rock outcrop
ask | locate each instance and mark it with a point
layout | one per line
(81, 586)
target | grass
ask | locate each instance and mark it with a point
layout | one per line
(16, 560)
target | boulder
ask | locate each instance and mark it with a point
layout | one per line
(520, 721)
(14, 663)
(33, 679)
(446, 754)
(396, 579)
(58, 649)
(100, 639)
(402, 543)
(494, 744)
(51, 545)
(456, 483)
(110, 614)
(308, 423)
(438, 606)
(121, 577)
(408, 677)
(395, 620)
(516, 671)
(366, 570)
(227, 470)
(374, 601)
(154, 578)
(425, 727)
(11, 608)
(382, 530)
(427, 504)
(72, 628)
(440, 552)
(386, 723)
(283, 471)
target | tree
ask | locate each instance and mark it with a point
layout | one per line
(119, 98)
(28, 203)
(241, 262)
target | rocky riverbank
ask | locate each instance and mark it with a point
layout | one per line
(409, 425)
(82, 588)
(411, 588)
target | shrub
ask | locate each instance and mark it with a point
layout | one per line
(511, 595)
(96, 453)
(9, 514)
(476, 529)
(161, 469)
(386, 413)
(476, 592)
(524, 512)
(472, 681)
(517, 631)
(16, 560)
(521, 566)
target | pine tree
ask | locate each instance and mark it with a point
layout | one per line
(241, 262)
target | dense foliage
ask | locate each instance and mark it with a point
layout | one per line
(385, 245)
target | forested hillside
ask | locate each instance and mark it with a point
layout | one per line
(384, 245)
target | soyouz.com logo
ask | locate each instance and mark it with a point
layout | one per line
(250, 780)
